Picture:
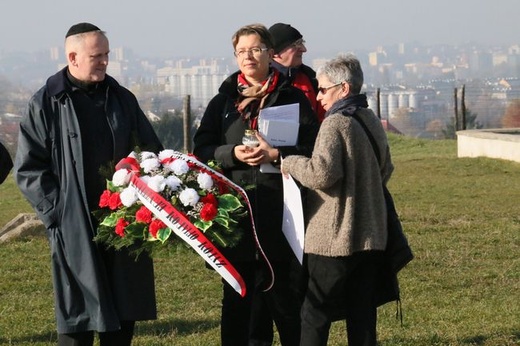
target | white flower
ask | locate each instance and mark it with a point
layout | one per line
(121, 177)
(205, 181)
(165, 154)
(179, 167)
(157, 183)
(133, 154)
(147, 155)
(145, 178)
(128, 196)
(189, 197)
(173, 182)
(150, 164)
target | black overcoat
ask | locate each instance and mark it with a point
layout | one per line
(94, 289)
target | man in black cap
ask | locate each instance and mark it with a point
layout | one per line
(289, 47)
(79, 121)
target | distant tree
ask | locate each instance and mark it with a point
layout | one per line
(471, 123)
(170, 130)
(511, 116)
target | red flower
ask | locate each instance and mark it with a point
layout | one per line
(222, 188)
(120, 227)
(209, 198)
(208, 212)
(114, 201)
(143, 215)
(103, 200)
(155, 226)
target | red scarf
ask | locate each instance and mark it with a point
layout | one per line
(302, 82)
(251, 98)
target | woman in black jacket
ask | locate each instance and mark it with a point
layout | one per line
(229, 114)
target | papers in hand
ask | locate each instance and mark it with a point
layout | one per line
(279, 126)
(293, 225)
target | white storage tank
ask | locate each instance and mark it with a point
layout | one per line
(392, 104)
(403, 100)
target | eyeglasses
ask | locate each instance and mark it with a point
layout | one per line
(323, 90)
(256, 52)
(298, 43)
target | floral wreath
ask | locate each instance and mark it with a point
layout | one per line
(192, 189)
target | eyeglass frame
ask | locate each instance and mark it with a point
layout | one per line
(249, 52)
(323, 90)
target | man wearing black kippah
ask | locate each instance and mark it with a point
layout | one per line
(80, 121)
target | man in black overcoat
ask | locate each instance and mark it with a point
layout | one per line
(80, 121)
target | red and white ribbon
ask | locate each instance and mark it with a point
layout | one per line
(186, 231)
(223, 179)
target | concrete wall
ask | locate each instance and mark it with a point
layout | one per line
(495, 143)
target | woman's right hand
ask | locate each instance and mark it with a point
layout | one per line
(250, 156)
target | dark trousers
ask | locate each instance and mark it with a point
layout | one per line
(341, 288)
(248, 321)
(122, 337)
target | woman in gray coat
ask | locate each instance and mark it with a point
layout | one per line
(346, 230)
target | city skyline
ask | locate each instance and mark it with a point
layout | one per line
(204, 27)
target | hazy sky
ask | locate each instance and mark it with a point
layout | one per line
(204, 27)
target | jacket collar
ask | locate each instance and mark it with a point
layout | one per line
(290, 72)
(58, 84)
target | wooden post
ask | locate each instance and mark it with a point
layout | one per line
(455, 110)
(186, 124)
(463, 106)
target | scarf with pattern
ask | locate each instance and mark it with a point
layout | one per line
(251, 98)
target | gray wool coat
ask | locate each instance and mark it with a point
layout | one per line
(94, 289)
(346, 206)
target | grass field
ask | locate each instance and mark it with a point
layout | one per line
(463, 288)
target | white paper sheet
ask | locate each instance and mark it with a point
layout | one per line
(293, 226)
(279, 126)
(290, 113)
(279, 133)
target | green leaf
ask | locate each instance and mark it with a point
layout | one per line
(111, 220)
(135, 230)
(203, 225)
(224, 221)
(111, 187)
(228, 202)
(222, 213)
(163, 234)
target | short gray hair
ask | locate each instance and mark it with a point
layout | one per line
(74, 41)
(344, 68)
